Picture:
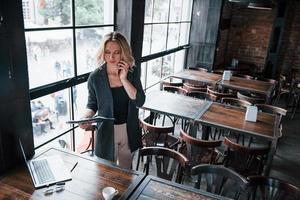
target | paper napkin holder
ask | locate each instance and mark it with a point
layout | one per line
(251, 114)
(226, 75)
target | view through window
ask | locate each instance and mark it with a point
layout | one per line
(166, 31)
(61, 45)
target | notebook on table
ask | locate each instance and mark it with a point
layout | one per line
(47, 170)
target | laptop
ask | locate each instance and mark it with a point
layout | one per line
(47, 170)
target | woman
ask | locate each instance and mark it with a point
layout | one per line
(115, 90)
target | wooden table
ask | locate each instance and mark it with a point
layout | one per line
(233, 118)
(157, 188)
(88, 179)
(254, 86)
(176, 105)
(198, 76)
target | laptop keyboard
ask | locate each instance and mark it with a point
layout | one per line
(43, 171)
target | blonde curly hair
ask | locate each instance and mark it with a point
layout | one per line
(126, 53)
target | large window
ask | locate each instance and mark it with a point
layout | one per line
(166, 32)
(61, 40)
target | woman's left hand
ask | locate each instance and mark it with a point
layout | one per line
(123, 70)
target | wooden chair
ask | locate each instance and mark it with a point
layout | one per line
(268, 188)
(218, 71)
(245, 160)
(158, 135)
(203, 95)
(284, 89)
(272, 110)
(172, 82)
(253, 100)
(175, 89)
(235, 102)
(194, 87)
(275, 90)
(219, 95)
(199, 151)
(295, 98)
(198, 69)
(280, 112)
(170, 164)
(244, 76)
(220, 180)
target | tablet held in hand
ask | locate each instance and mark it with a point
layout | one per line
(90, 120)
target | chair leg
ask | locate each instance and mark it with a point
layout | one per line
(138, 161)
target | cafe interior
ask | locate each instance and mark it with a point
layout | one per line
(222, 85)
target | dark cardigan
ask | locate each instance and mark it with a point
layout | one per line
(100, 100)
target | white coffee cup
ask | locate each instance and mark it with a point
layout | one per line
(109, 192)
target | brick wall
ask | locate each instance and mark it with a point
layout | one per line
(247, 38)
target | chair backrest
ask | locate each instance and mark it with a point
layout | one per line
(203, 95)
(198, 69)
(276, 87)
(199, 151)
(170, 164)
(218, 71)
(175, 89)
(173, 82)
(245, 160)
(219, 95)
(273, 81)
(253, 100)
(154, 135)
(194, 87)
(268, 188)
(236, 102)
(272, 109)
(245, 76)
(220, 180)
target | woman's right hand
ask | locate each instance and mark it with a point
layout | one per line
(87, 114)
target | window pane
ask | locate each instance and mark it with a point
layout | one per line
(179, 60)
(154, 68)
(148, 11)
(147, 39)
(186, 10)
(46, 13)
(173, 36)
(168, 63)
(49, 53)
(184, 33)
(93, 12)
(49, 114)
(87, 43)
(80, 97)
(161, 11)
(159, 36)
(175, 10)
